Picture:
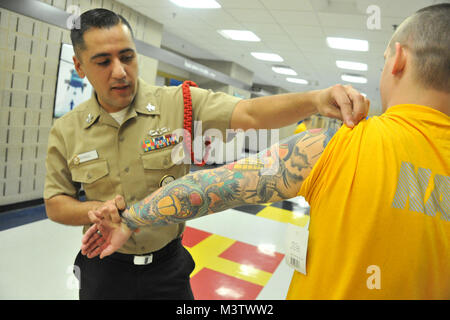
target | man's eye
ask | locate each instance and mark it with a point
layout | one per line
(103, 63)
(127, 58)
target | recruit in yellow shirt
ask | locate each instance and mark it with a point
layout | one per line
(380, 217)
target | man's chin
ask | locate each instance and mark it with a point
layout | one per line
(121, 101)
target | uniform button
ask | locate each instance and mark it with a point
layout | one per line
(121, 139)
(127, 169)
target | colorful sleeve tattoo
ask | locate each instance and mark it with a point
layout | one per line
(272, 175)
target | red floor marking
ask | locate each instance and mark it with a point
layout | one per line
(193, 236)
(244, 253)
(208, 284)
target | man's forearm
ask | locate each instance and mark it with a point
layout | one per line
(273, 175)
(69, 211)
(191, 196)
(274, 112)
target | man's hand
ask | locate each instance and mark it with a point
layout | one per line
(343, 103)
(277, 111)
(104, 238)
(108, 233)
(109, 210)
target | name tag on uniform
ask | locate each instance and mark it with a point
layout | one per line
(297, 247)
(87, 156)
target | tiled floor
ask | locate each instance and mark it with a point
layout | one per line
(239, 254)
(229, 269)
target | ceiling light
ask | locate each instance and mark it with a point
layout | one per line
(351, 65)
(239, 35)
(296, 80)
(353, 78)
(267, 56)
(348, 44)
(197, 4)
(284, 70)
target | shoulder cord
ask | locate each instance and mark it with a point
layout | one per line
(187, 123)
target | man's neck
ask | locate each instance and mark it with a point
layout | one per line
(108, 108)
(437, 100)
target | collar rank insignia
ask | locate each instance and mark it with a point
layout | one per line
(89, 118)
(150, 144)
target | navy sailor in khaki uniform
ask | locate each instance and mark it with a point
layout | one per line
(120, 142)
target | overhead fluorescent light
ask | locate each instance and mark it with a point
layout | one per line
(296, 80)
(351, 65)
(267, 56)
(353, 78)
(348, 44)
(284, 70)
(239, 35)
(197, 4)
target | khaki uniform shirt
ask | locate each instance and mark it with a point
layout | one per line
(88, 148)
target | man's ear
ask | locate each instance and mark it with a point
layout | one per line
(78, 67)
(399, 59)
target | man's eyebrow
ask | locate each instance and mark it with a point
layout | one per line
(99, 55)
(126, 50)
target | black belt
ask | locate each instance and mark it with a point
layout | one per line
(148, 258)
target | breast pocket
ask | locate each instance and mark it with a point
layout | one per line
(94, 177)
(160, 165)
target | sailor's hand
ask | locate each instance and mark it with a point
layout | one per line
(109, 210)
(343, 102)
(104, 238)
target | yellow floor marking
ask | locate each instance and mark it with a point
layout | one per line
(285, 216)
(206, 255)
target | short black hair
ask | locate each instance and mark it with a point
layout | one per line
(94, 18)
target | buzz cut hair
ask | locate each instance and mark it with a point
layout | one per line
(427, 35)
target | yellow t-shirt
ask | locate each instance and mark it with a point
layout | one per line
(380, 217)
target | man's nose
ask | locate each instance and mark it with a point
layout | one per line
(118, 71)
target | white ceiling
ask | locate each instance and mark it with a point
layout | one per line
(294, 29)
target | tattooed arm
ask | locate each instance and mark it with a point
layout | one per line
(272, 175)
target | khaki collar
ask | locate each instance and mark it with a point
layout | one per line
(145, 102)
